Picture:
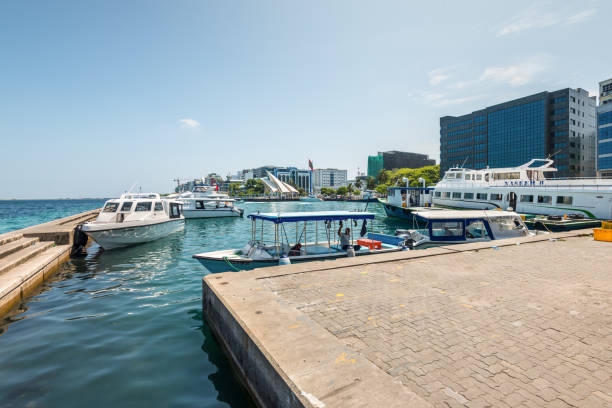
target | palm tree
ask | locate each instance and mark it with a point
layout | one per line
(358, 184)
(350, 187)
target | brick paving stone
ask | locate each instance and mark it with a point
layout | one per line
(509, 329)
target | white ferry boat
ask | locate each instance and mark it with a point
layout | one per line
(207, 202)
(134, 218)
(525, 189)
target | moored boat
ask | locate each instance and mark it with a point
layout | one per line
(315, 239)
(446, 227)
(207, 202)
(311, 198)
(134, 218)
(525, 189)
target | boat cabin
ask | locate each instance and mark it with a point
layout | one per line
(138, 206)
(530, 173)
(467, 226)
(407, 197)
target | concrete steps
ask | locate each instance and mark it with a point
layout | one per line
(16, 245)
(21, 279)
(23, 255)
(8, 237)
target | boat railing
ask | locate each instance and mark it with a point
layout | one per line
(557, 184)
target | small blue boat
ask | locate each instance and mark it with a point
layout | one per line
(316, 239)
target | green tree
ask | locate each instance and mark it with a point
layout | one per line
(381, 189)
(384, 177)
(328, 191)
(371, 184)
(357, 192)
(358, 184)
(350, 187)
(342, 191)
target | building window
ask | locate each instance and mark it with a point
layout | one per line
(566, 200)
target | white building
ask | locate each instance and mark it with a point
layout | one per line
(328, 178)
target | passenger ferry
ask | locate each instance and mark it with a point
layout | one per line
(134, 218)
(207, 202)
(525, 189)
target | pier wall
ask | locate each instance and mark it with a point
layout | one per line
(514, 322)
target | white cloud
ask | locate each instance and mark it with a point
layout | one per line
(439, 75)
(581, 17)
(536, 17)
(441, 100)
(189, 123)
(518, 74)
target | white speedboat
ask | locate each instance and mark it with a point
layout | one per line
(525, 189)
(444, 227)
(315, 240)
(206, 202)
(134, 218)
(311, 198)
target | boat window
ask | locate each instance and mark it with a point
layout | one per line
(487, 177)
(446, 194)
(438, 194)
(476, 229)
(199, 205)
(127, 206)
(544, 199)
(564, 200)
(481, 196)
(110, 207)
(456, 195)
(159, 206)
(447, 229)
(468, 196)
(479, 177)
(467, 176)
(526, 199)
(175, 211)
(143, 206)
(496, 197)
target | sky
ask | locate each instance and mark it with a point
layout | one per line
(100, 96)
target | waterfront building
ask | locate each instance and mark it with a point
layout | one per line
(294, 176)
(560, 123)
(213, 179)
(394, 159)
(604, 129)
(328, 178)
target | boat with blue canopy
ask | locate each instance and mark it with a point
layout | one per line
(444, 227)
(292, 237)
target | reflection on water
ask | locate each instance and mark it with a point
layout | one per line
(124, 327)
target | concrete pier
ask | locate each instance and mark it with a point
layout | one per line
(526, 323)
(31, 255)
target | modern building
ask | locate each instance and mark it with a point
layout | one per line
(397, 160)
(604, 129)
(560, 124)
(328, 178)
(294, 176)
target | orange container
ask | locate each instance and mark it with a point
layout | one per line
(370, 243)
(606, 224)
(601, 234)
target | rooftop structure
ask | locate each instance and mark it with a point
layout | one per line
(394, 159)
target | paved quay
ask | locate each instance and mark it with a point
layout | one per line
(31, 255)
(459, 326)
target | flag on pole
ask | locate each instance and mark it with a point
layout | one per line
(310, 164)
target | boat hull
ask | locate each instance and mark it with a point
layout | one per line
(134, 234)
(211, 213)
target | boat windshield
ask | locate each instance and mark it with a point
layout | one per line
(143, 206)
(110, 207)
(447, 229)
(127, 206)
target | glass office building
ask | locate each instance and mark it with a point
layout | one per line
(394, 159)
(560, 124)
(604, 129)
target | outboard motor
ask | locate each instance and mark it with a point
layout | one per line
(79, 241)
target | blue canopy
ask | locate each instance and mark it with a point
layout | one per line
(312, 216)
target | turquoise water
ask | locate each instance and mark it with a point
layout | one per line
(124, 327)
(16, 214)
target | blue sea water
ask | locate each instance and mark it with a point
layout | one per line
(124, 327)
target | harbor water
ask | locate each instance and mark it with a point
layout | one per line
(124, 327)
